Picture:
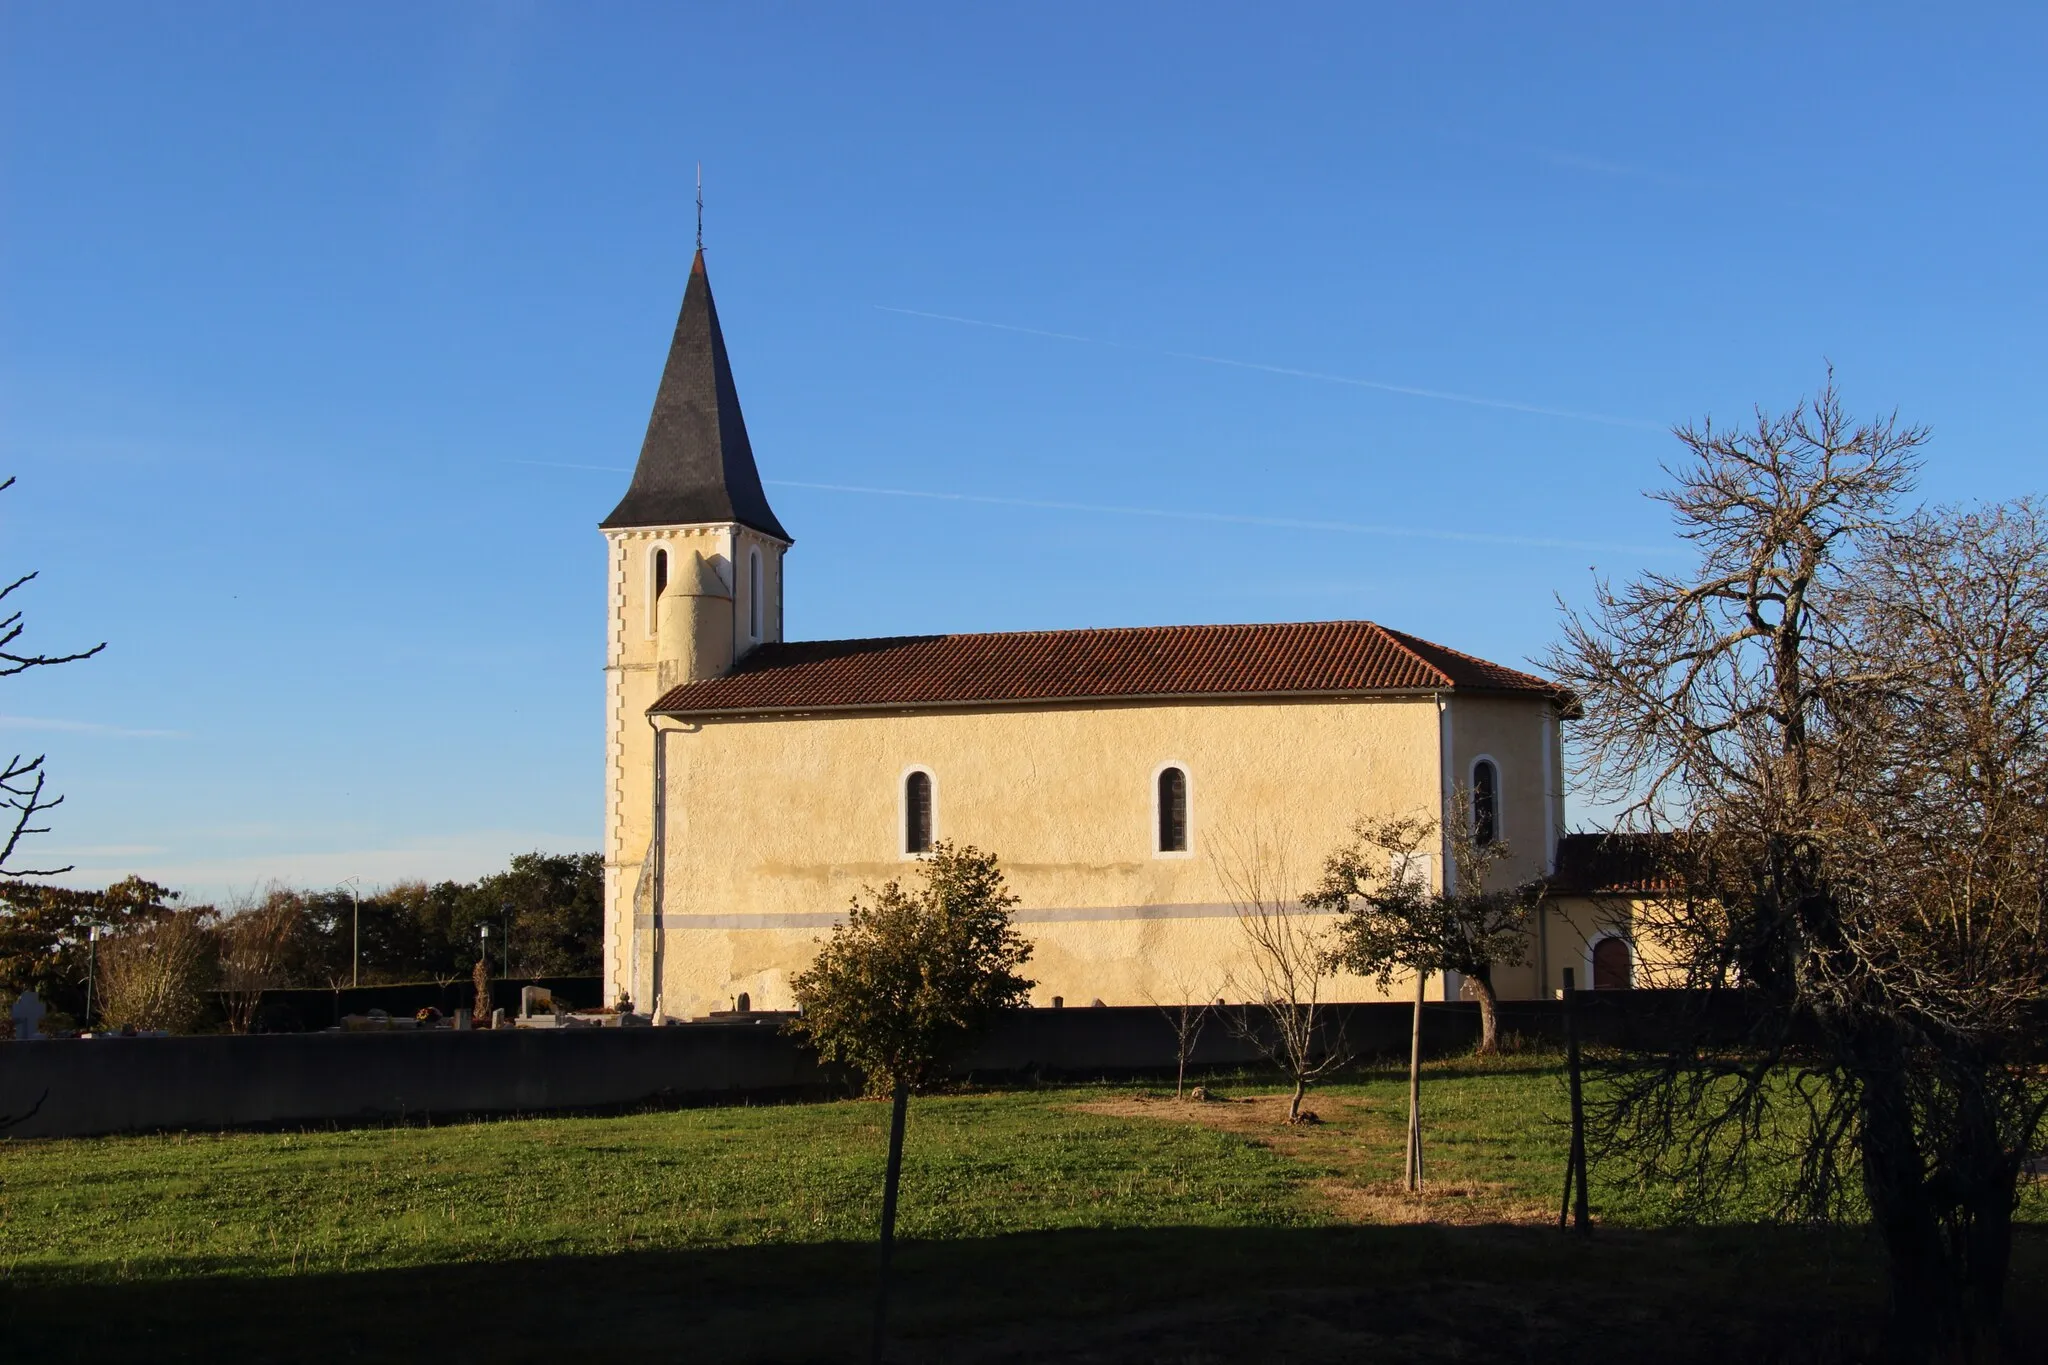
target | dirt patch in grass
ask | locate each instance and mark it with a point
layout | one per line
(1333, 1146)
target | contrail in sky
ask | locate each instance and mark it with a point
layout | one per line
(1231, 518)
(1471, 400)
(85, 727)
(1179, 514)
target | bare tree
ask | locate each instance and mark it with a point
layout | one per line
(1288, 949)
(1392, 920)
(1187, 1013)
(1839, 717)
(22, 779)
(258, 943)
(153, 971)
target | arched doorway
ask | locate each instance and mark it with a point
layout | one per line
(1613, 965)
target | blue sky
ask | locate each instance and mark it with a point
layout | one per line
(1273, 313)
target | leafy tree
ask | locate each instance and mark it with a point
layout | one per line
(557, 902)
(414, 931)
(44, 934)
(1840, 710)
(1392, 921)
(902, 983)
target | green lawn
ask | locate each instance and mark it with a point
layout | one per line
(1098, 1223)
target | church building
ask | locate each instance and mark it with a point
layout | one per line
(755, 784)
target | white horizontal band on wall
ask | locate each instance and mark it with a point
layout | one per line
(812, 919)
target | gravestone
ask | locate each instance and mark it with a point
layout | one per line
(28, 1015)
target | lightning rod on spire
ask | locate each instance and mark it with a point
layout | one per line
(700, 206)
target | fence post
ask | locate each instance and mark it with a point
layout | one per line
(1575, 1165)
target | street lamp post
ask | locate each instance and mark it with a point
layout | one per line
(355, 947)
(483, 965)
(92, 968)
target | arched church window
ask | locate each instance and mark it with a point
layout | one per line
(1173, 810)
(1485, 802)
(1613, 965)
(917, 813)
(754, 594)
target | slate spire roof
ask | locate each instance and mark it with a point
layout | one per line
(696, 464)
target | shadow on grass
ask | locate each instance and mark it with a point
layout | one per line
(1178, 1294)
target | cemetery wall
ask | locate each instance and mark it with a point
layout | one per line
(113, 1085)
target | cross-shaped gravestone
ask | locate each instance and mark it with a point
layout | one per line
(28, 1016)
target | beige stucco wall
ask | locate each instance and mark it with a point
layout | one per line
(1572, 925)
(1521, 738)
(631, 687)
(775, 823)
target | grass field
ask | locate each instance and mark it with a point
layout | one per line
(1103, 1223)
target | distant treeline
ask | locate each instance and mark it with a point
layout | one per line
(161, 964)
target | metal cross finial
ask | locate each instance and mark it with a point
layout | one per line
(700, 206)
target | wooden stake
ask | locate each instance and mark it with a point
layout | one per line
(1415, 1088)
(1575, 1166)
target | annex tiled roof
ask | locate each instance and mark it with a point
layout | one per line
(1310, 658)
(1613, 864)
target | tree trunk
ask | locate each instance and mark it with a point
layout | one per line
(1983, 1241)
(898, 1109)
(1924, 1300)
(1294, 1105)
(1489, 1014)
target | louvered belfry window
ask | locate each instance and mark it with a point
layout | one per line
(1173, 811)
(917, 813)
(1485, 802)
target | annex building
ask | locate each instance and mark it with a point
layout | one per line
(755, 784)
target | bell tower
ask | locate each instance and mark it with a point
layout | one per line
(693, 578)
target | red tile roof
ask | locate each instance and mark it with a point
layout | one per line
(1615, 864)
(1312, 658)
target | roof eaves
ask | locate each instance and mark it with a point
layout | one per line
(1051, 703)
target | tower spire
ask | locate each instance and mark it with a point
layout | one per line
(696, 464)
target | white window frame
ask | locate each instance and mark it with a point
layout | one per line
(1187, 774)
(1500, 784)
(903, 850)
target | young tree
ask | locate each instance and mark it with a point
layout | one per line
(1288, 946)
(1187, 1012)
(1390, 919)
(22, 778)
(903, 982)
(1840, 710)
